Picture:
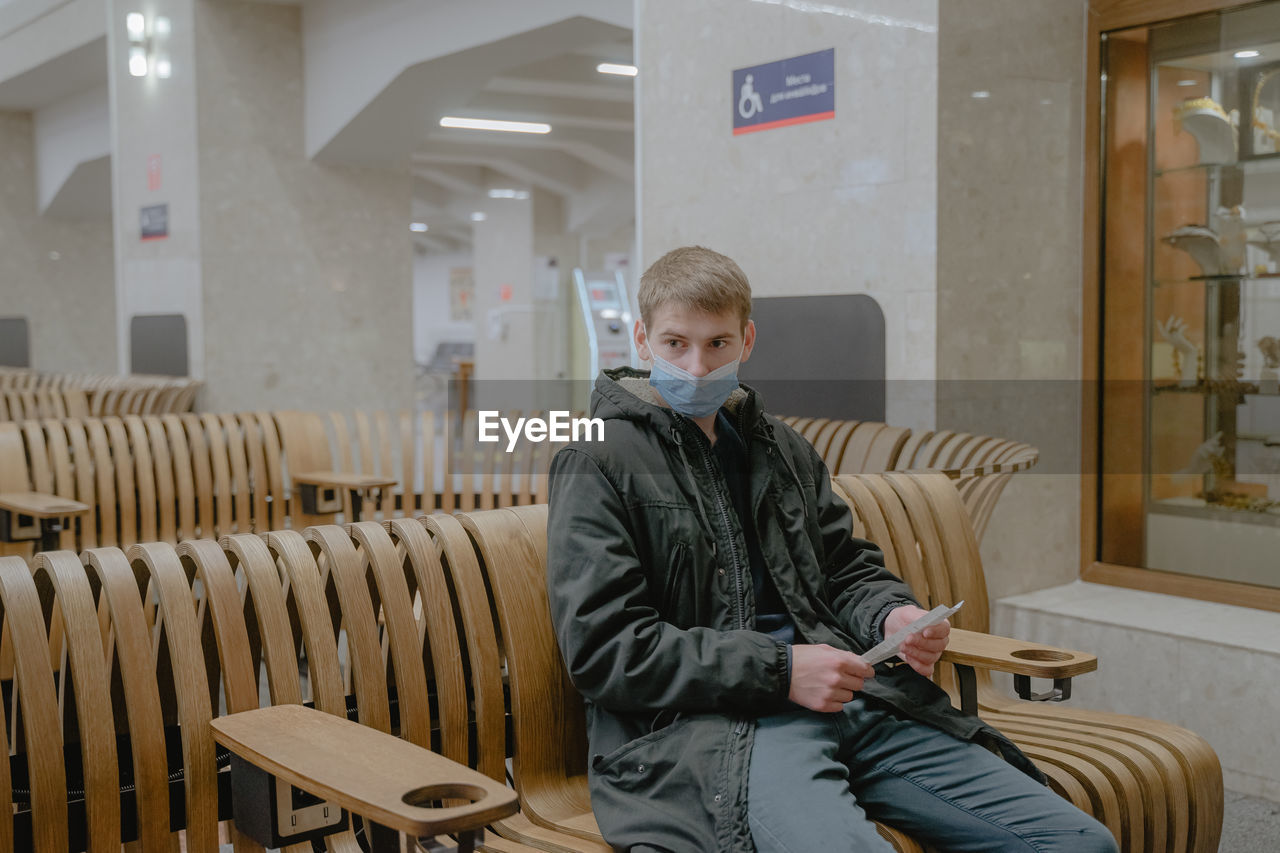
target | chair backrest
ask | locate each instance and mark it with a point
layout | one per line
(153, 478)
(548, 721)
(980, 465)
(920, 522)
(128, 661)
(437, 459)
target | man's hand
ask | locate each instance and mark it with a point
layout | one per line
(922, 649)
(824, 678)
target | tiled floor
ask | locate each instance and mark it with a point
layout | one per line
(1250, 825)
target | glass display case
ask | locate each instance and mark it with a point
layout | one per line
(1205, 419)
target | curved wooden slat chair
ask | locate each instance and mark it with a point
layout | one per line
(63, 584)
(485, 666)
(28, 394)
(180, 659)
(437, 632)
(548, 724)
(288, 613)
(129, 651)
(35, 730)
(1156, 785)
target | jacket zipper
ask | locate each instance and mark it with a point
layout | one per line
(741, 607)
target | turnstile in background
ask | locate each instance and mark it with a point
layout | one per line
(606, 309)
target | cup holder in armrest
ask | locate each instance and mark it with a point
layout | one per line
(1043, 655)
(434, 796)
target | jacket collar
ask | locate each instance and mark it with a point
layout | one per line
(625, 393)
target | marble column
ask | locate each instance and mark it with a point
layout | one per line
(294, 276)
(154, 168)
(1010, 201)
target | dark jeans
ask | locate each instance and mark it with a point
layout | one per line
(816, 779)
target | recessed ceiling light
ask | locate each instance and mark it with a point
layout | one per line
(495, 124)
(508, 193)
(1246, 54)
(982, 94)
(417, 227)
(1188, 82)
(617, 68)
(137, 61)
(479, 216)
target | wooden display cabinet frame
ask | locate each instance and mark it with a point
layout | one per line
(1108, 16)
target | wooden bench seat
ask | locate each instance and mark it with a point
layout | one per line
(1156, 785)
(119, 747)
(177, 476)
(30, 394)
(436, 630)
(439, 465)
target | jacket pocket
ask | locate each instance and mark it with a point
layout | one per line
(663, 789)
(677, 569)
(605, 764)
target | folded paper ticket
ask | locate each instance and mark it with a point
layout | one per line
(893, 643)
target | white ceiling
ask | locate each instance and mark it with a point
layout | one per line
(545, 74)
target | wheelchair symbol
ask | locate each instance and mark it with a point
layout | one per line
(749, 102)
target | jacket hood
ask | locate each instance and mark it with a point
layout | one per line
(624, 393)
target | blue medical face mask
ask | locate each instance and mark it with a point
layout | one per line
(695, 396)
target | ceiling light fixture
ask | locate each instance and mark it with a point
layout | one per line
(495, 124)
(980, 95)
(617, 68)
(1246, 54)
(418, 227)
(506, 193)
(148, 45)
(478, 216)
(1188, 82)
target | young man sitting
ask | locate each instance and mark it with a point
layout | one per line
(710, 603)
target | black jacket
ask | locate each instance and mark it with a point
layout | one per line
(651, 596)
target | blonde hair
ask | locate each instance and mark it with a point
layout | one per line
(695, 277)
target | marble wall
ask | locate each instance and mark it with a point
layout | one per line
(1009, 248)
(948, 186)
(846, 205)
(58, 274)
(306, 268)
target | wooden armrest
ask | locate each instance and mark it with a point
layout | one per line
(38, 505)
(367, 772)
(1016, 656)
(343, 480)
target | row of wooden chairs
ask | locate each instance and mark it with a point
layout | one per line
(35, 394)
(437, 630)
(31, 404)
(1156, 786)
(177, 476)
(395, 445)
(171, 477)
(980, 465)
(123, 657)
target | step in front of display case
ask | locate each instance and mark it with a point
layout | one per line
(1212, 668)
